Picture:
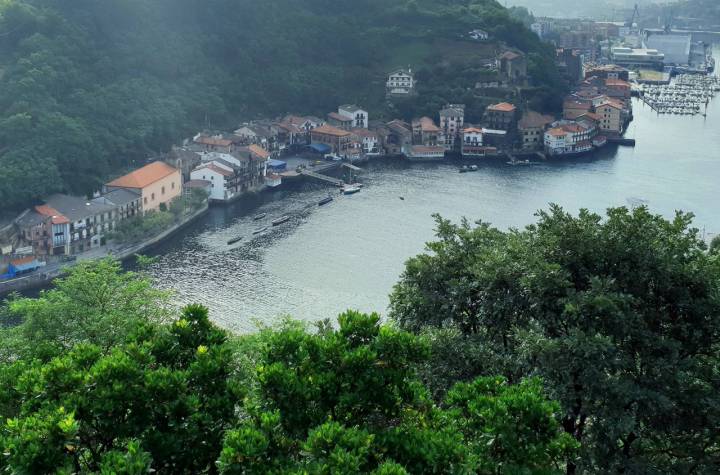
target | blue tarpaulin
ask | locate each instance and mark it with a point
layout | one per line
(320, 147)
(276, 164)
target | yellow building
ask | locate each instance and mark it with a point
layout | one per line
(158, 183)
(610, 117)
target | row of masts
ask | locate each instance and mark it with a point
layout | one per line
(687, 95)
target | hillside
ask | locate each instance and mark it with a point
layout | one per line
(91, 87)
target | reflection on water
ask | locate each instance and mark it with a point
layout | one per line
(349, 253)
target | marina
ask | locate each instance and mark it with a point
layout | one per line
(687, 94)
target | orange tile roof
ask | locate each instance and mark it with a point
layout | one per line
(612, 104)
(532, 119)
(259, 151)
(557, 132)
(50, 212)
(330, 130)
(472, 130)
(616, 82)
(144, 176)
(502, 107)
(213, 141)
(339, 117)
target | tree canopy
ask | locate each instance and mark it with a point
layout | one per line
(619, 316)
(89, 89)
(184, 396)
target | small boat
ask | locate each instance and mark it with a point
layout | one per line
(259, 217)
(402, 198)
(281, 220)
(234, 240)
(350, 190)
(464, 169)
(261, 230)
(325, 200)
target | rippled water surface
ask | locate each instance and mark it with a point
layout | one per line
(349, 253)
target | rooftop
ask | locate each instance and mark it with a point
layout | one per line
(76, 208)
(502, 107)
(144, 176)
(532, 119)
(339, 118)
(351, 108)
(119, 197)
(218, 142)
(330, 130)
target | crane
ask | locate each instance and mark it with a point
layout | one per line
(635, 16)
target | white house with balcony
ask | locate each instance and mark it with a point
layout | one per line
(401, 82)
(219, 176)
(358, 116)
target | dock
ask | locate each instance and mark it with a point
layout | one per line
(320, 176)
(352, 167)
(621, 141)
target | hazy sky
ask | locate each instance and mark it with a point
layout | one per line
(603, 9)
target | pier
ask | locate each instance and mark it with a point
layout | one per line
(320, 176)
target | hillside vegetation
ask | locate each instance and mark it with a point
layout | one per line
(89, 88)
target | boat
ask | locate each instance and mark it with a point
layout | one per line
(464, 169)
(325, 200)
(261, 230)
(473, 168)
(402, 198)
(281, 220)
(259, 217)
(234, 240)
(350, 190)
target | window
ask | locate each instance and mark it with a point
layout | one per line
(146, 200)
(152, 197)
(172, 186)
(162, 190)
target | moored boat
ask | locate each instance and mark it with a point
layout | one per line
(259, 217)
(234, 240)
(261, 230)
(325, 200)
(281, 220)
(350, 190)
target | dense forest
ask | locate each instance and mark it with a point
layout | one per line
(91, 87)
(580, 344)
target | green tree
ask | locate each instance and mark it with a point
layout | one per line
(163, 400)
(97, 302)
(348, 401)
(619, 316)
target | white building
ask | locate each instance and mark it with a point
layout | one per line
(219, 177)
(369, 140)
(639, 57)
(480, 35)
(358, 115)
(400, 82)
(569, 138)
(541, 28)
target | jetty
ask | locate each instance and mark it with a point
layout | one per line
(320, 176)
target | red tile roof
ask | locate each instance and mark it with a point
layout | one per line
(330, 130)
(216, 169)
(259, 151)
(144, 176)
(50, 212)
(205, 140)
(502, 107)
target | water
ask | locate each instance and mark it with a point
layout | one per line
(351, 252)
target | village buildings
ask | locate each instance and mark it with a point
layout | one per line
(157, 184)
(501, 116)
(341, 142)
(400, 82)
(452, 119)
(357, 115)
(531, 130)
(513, 67)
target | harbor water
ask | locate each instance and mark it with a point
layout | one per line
(350, 252)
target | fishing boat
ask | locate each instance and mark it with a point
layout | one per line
(325, 200)
(259, 217)
(350, 190)
(281, 220)
(234, 240)
(261, 230)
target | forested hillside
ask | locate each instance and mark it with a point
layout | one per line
(90, 87)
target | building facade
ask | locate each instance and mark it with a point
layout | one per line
(157, 184)
(400, 82)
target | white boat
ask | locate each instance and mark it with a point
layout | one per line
(350, 190)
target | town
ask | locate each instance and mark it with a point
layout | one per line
(134, 211)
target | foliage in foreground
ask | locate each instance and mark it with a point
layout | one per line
(619, 316)
(182, 397)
